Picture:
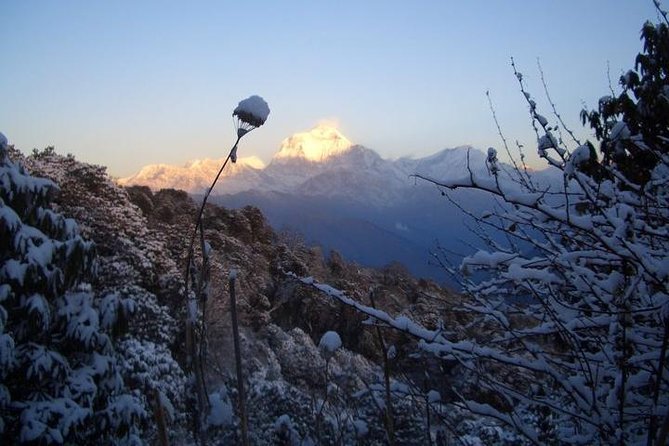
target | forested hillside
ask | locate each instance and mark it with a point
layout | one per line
(297, 391)
(118, 322)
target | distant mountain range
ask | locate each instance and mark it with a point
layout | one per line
(346, 197)
(321, 162)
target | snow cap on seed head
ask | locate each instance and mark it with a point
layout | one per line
(251, 113)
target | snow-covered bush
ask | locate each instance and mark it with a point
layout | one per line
(220, 411)
(59, 382)
(150, 368)
(285, 433)
(268, 401)
(571, 340)
(148, 320)
(136, 278)
(581, 319)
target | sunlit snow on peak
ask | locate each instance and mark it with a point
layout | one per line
(194, 176)
(318, 144)
(250, 161)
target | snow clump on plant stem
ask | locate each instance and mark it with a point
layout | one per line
(253, 110)
(330, 342)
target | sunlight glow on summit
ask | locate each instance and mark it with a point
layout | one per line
(403, 79)
(318, 144)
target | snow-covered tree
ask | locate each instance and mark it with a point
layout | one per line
(570, 343)
(137, 283)
(59, 381)
(581, 319)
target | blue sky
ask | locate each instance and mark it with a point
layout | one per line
(128, 83)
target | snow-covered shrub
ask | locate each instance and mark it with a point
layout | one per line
(299, 359)
(136, 276)
(409, 426)
(147, 319)
(578, 350)
(269, 400)
(285, 433)
(152, 373)
(220, 411)
(59, 381)
(570, 341)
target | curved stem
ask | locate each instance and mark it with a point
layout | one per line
(198, 222)
(193, 359)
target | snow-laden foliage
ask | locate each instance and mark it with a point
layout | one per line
(330, 342)
(253, 110)
(592, 328)
(151, 369)
(295, 394)
(570, 342)
(137, 282)
(580, 318)
(128, 251)
(59, 380)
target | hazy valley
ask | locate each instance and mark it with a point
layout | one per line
(345, 197)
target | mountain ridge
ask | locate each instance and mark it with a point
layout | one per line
(353, 201)
(321, 161)
(195, 175)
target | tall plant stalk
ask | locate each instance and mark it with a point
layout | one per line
(238, 363)
(251, 113)
(194, 354)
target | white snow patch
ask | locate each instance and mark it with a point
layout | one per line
(167, 405)
(578, 157)
(253, 107)
(542, 120)
(433, 396)
(221, 411)
(330, 342)
(361, 428)
(620, 131)
(401, 227)
(283, 420)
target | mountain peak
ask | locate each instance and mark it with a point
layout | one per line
(193, 176)
(318, 144)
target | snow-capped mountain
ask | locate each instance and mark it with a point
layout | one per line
(448, 163)
(344, 197)
(197, 175)
(318, 144)
(319, 162)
